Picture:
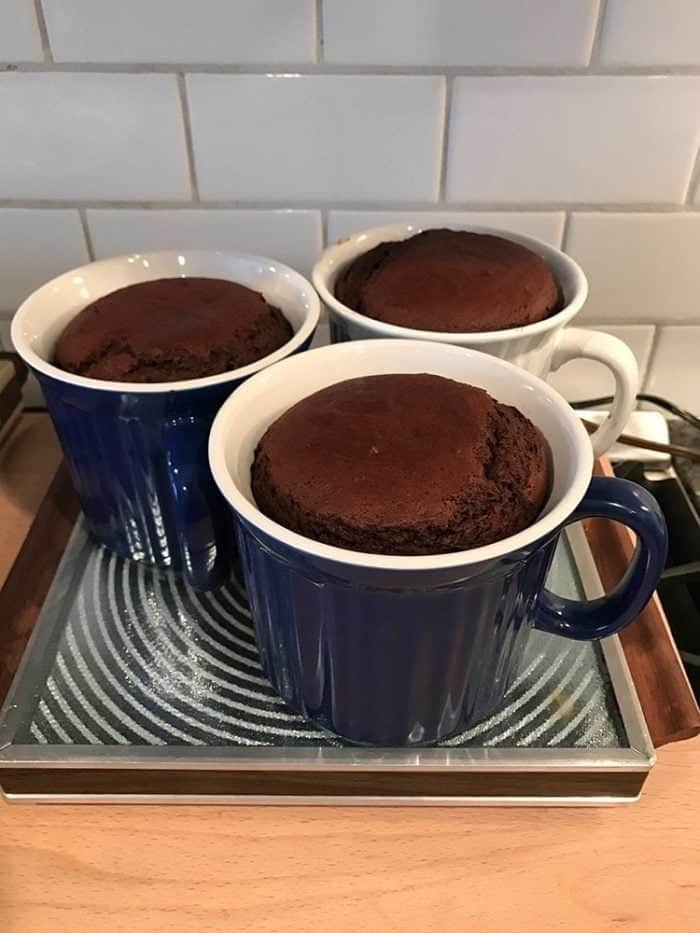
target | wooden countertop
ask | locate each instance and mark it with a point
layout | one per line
(211, 869)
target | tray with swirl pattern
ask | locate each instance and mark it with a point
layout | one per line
(135, 687)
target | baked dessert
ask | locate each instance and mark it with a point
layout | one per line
(171, 329)
(451, 280)
(402, 464)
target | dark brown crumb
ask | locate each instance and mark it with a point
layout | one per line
(171, 329)
(402, 464)
(453, 281)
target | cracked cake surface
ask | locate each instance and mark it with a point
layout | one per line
(402, 464)
(171, 329)
(454, 281)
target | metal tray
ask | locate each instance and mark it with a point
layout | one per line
(134, 688)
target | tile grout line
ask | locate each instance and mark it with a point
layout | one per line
(445, 137)
(82, 214)
(323, 320)
(594, 58)
(597, 322)
(360, 206)
(187, 127)
(653, 353)
(43, 32)
(643, 373)
(319, 38)
(693, 181)
(325, 68)
(563, 244)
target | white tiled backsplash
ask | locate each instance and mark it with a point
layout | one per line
(271, 126)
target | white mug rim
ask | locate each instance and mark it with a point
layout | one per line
(43, 366)
(547, 525)
(350, 248)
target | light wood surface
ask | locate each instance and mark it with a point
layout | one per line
(269, 870)
(29, 456)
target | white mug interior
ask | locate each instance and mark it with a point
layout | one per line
(41, 319)
(246, 415)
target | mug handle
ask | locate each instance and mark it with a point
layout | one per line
(574, 343)
(621, 501)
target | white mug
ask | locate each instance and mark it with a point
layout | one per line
(539, 348)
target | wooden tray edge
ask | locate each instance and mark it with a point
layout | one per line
(666, 697)
(33, 571)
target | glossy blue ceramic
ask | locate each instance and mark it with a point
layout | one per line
(139, 466)
(137, 453)
(395, 650)
(391, 658)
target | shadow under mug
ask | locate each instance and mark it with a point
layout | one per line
(137, 453)
(540, 348)
(399, 651)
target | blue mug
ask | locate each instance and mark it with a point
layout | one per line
(137, 453)
(398, 651)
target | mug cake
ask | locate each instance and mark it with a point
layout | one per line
(403, 464)
(166, 330)
(455, 281)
